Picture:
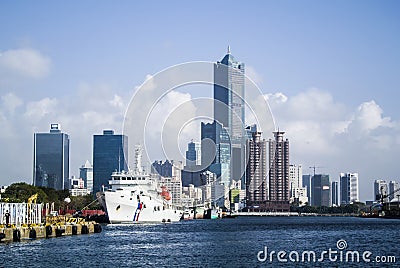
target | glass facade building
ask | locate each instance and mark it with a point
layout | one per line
(216, 150)
(110, 153)
(321, 192)
(51, 159)
(348, 188)
(193, 154)
(229, 110)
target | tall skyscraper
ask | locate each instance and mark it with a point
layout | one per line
(51, 159)
(307, 185)
(393, 189)
(256, 171)
(335, 194)
(279, 188)
(193, 155)
(348, 188)
(110, 153)
(229, 109)
(86, 174)
(321, 192)
(216, 151)
(380, 188)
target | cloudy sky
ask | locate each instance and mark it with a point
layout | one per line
(330, 71)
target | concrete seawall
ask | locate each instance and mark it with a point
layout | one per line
(14, 234)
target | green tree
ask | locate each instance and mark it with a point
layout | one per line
(21, 191)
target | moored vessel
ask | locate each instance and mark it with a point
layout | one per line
(135, 197)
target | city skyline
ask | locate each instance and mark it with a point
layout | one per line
(329, 73)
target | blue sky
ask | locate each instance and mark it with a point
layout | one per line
(344, 53)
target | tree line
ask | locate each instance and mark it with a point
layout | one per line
(21, 191)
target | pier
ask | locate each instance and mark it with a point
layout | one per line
(23, 221)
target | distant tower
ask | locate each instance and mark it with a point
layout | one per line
(279, 189)
(216, 156)
(86, 173)
(348, 188)
(298, 193)
(256, 172)
(380, 187)
(321, 190)
(393, 187)
(335, 194)
(229, 109)
(193, 155)
(110, 153)
(51, 159)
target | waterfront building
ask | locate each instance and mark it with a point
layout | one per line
(256, 172)
(307, 185)
(229, 110)
(110, 154)
(77, 187)
(380, 188)
(51, 159)
(216, 151)
(348, 188)
(279, 189)
(75, 182)
(321, 193)
(86, 173)
(168, 168)
(335, 194)
(298, 193)
(393, 189)
(193, 155)
(192, 194)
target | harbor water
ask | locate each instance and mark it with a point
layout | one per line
(237, 242)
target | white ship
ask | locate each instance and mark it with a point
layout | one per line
(136, 197)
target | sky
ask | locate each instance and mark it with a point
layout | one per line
(330, 71)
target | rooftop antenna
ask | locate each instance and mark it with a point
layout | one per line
(229, 49)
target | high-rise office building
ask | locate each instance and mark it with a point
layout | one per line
(256, 171)
(393, 189)
(51, 159)
(380, 188)
(348, 188)
(216, 151)
(335, 194)
(279, 188)
(110, 154)
(298, 193)
(86, 174)
(168, 168)
(193, 155)
(307, 185)
(229, 109)
(321, 192)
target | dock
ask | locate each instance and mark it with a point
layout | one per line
(24, 221)
(15, 234)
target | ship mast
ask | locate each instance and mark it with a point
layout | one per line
(138, 159)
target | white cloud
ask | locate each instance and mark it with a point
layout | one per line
(276, 98)
(369, 116)
(10, 102)
(24, 62)
(327, 133)
(38, 109)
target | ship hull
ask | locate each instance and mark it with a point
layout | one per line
(123, 208)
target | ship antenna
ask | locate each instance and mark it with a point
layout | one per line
(138, 159)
